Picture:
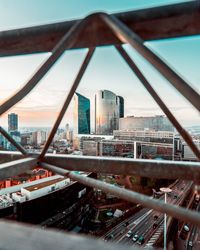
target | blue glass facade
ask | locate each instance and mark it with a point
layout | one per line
(81, 114)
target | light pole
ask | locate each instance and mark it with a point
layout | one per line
(165, 191)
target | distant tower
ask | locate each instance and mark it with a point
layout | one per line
(121, 106)
(81, 114)
(106, 112)
(12, 122)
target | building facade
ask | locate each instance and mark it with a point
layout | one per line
(12, 122)
(38, 137)
(81, 114)
(145, 135)
(108, 108)
(157, 123)
(136, 149)
(121, 106)
(187, 153)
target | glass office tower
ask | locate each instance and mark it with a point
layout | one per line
(81, 114)
(107, 109)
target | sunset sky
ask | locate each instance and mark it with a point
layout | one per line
(107, 70)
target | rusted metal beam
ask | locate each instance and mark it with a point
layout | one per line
(131, 196)
(16, 167)
(154, 23)
(12, 141)
(127, 35)
(159, 101)
(68, 100)
(67, 41)
(127, 166)
(15, 236)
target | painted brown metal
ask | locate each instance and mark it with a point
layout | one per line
(159, 101)
(120, 166)
(66, 41)
(12, 141)
(68, 100)
(127, 35)
(175, 20)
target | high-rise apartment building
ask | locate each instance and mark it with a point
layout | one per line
(108, 109)
(12, 122)
(81, 114)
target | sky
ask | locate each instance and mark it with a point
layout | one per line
(107, 70)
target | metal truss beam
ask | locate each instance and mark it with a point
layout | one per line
(127, 35)
(188, 139)
(68, 100)
(66, 41)
(174, 20)
(127, 166)
(16, 167)
(12, 141)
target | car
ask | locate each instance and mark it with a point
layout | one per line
(109, 237)
(155, 217)
(135, 237)
(140, 240)
(129, 234)
(186, 228)
(155, 225)
(190, 243)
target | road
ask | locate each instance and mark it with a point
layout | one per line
(147, 223)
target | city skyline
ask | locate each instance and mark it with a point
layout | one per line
(70, 114)
(41, 106)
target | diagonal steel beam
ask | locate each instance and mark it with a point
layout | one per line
(68, 100)
(67, 41)
(131, 196)
(120, 166)
(127, 35)
(159, 101)
(14, 168)
(11, 140)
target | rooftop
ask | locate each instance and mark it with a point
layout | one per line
(35, 187)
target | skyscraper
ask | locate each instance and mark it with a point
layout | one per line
(121, 106)
(81, 114)
(12, 122)
(107, 110)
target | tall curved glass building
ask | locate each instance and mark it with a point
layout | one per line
(107, 112)
(81, 114)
